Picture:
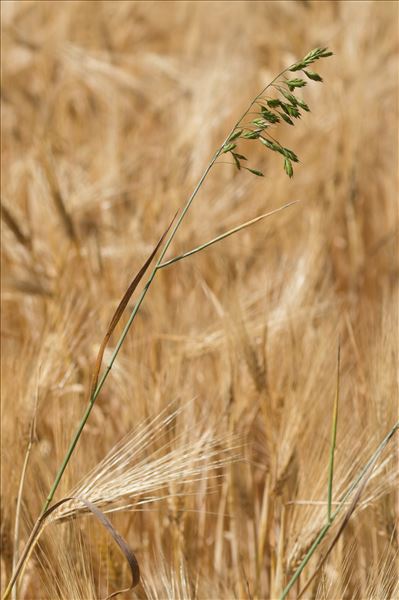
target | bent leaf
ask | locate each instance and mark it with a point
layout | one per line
(120, 309)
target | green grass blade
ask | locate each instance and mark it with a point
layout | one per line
(224, 235)
(333, 438)
(324, 530)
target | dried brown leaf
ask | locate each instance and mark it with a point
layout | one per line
(120, 309)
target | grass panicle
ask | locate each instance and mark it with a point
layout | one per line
(268, 115)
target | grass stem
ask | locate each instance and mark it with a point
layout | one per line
(333, 439)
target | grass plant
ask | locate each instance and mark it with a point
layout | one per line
(258, 129)
(251, 489)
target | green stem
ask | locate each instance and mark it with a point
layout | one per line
(322, 533)
(333, 440)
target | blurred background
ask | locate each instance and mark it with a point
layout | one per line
(110, 113)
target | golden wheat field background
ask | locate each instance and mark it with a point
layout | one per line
(216, 416)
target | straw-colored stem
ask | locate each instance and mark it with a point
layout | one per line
(24, 555)
(32, 435)
(18, 511)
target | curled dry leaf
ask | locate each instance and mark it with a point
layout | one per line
(119, 540)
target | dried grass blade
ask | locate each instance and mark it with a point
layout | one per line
(120, 309)
(127, 552)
